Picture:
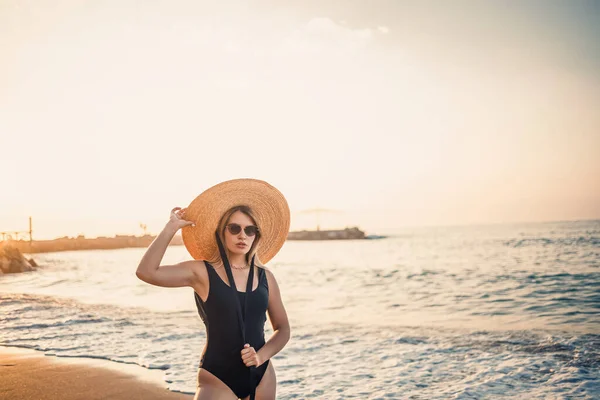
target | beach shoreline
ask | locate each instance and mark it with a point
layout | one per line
(83, 243)
(30, 374)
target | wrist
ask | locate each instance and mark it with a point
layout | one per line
(261, 359)
(171, 228)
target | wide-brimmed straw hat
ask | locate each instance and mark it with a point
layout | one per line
(268, 204)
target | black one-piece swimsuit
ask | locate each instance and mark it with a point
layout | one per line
(222, 355)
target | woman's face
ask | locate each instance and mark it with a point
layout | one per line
(232, 241)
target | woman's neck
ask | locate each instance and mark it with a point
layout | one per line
(238, 261)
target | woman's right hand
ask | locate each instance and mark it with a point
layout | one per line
(181, 274)
(178, 220)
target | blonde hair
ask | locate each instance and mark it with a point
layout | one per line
(221, 230)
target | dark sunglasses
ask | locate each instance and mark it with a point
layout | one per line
(249, 230)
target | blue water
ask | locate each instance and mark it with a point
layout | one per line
(500, 311)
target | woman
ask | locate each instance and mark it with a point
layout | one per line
(230, 230)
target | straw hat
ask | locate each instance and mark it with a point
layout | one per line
(267, 203)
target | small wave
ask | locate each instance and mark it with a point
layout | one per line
(53, 283)
(175, 336)
(565, 241)
(182, 391)
(58, 324)
(290, 382)
(424, 272)
(411, 340)
(162, 367)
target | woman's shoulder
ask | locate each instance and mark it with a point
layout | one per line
(265, 268)
(262, 266)
(264, 271)
(268, 272)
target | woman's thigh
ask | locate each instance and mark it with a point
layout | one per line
(267, 386)
(210, 387)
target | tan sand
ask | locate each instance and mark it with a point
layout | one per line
(29, 375)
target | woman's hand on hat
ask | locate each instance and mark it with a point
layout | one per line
(178, 218)
(250, 356)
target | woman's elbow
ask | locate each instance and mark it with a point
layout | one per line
(143, 276)
(286, 332)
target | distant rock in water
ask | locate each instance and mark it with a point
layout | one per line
(339, 234)
(12, 260)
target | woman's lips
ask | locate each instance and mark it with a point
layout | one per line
(241, 245)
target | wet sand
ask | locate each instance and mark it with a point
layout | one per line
(30, 375)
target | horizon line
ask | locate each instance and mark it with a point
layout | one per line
(432, 226)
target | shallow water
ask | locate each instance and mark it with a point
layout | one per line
(503, 311)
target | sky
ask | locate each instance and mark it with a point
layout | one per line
(391, 113)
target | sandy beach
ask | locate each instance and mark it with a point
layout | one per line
(28, 375)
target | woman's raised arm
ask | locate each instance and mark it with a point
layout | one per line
(178, 275)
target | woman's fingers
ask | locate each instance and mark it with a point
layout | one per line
(249, 360)
(249, 354)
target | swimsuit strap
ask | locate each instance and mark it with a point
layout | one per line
(238, 306)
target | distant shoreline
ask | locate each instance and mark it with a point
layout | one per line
(82, 243)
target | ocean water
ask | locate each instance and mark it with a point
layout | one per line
(482, 312)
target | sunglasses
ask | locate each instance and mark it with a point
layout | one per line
(249, 230)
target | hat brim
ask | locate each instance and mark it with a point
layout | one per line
(268, 204)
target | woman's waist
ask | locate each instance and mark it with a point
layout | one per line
(221, 346)
(222, 349)
(231, 333)
(225, 353)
